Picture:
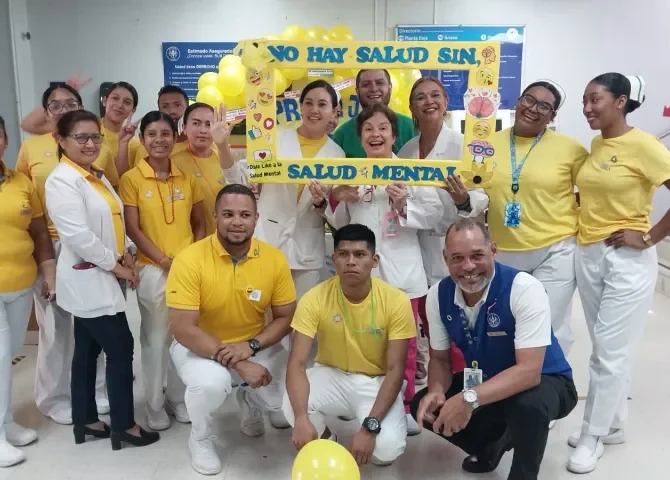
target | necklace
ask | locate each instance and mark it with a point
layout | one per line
(202, 173)
(170, 186)
(373, 329)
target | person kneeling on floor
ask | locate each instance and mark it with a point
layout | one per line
(518, 379)
(363, 326)
(218, 291)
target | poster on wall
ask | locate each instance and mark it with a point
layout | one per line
(511, 38)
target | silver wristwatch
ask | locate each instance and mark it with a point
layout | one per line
(470, 397)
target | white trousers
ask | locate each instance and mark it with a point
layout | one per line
(208, 383)
(14, 317)
(155, 340)
(304, 281)
(54, 354)
(334, 393)
(616, 287)
(554, 266)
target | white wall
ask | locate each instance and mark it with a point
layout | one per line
(8, 108)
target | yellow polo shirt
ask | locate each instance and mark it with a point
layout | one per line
(209, 175)
(164, 207)
(342, 328)
(38, 157)
(546, 190)
(617, 183)
(141, 153)
(232, 298)
(111, 141)
(19, 204)
(94, 178)
(309, 149)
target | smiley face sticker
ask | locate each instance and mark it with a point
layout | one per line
(266, 97)
(253, 77)
(485, 77)
(481, 130)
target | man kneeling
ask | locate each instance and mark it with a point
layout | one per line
(363, 327)
(218, 291)
(519, 379)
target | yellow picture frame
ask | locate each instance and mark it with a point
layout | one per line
(261, 58)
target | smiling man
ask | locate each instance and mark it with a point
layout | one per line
(363, 326)
(518, 378)
(372, 86)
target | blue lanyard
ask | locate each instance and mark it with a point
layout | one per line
(516, 170)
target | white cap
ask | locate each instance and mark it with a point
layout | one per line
(560, 89)
(636, 88)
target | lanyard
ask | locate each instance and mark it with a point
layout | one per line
(373, 329)
(516, 170)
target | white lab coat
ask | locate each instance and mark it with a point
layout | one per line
(449, 146)
(400, 261)
(84, 223)
(295, 227)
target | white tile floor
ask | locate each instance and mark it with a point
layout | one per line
(55, 456)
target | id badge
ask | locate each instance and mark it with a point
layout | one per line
(391, 224)
(471, 378)
(512, 214)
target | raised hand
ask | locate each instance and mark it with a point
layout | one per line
(221, 129)
(128, 130)
(76, 82)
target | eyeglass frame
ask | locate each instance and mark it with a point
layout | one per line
(536, 103)
(63, 106)
(88, 137)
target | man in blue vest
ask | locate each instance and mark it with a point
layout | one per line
(500, 318)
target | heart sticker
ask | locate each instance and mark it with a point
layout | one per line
(257, 117)
(268, 123)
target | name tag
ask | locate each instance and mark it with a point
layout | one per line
(496, 334)
(176, 197)
(27, 211)
(255, 296)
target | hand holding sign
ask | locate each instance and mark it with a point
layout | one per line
(397, 192)
(319, 193)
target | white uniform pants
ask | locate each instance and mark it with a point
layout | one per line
(334, 393)
(208, 383)
(304, 281)
(54, 354)
(554, 266)
(155, 340)
(616, 287)
(14, 316)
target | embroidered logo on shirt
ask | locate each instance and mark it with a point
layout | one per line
(148, 195)
(493, 320)
(337, 318)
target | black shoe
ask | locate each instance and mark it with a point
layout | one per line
(80, 432)
(145, 438)
(491, 457)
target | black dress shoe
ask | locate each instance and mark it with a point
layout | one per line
(80, 432)
(491, 457)
(145, 438)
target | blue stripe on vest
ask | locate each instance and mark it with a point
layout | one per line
(491, 342)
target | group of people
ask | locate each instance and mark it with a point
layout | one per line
(227, 279)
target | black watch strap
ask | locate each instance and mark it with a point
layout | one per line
(255, 346)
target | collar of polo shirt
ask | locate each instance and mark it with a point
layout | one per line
(148, 172)
(94, 170)
(254, 250)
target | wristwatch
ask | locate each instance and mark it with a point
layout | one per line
(470, 397)
(371, 424)
(255, 346)
(646, 238)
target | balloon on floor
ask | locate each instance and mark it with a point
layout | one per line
(325, 460)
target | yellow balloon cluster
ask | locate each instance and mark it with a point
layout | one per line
(401, 83)
(325, 460)
(227, 86)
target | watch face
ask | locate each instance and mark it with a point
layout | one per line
(255, 344)
(372, 424)
(470, 396)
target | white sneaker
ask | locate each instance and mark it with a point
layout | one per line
(157, 421)
(19, 436)
(412, 426)
(615, 437)
(178, 411)
(10, 455)
(252, 418)
(103, 405)
(584, 460)
(203, 456)
(278, 420)
(63, 418)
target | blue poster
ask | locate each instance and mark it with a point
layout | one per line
(456, 82)
(184, 62)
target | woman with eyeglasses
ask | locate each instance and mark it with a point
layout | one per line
(37, 158)
(93, 269)
(164, 214)
(26, 248)
(533, 209)
(395, 213)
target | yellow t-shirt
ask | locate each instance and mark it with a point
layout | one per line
(111, 140)
(232, 298)
(546, 190)
(141, 153)
(164, 207)
(209, 175)
(38, 157)
(19, 204)
(309, 149)
(94, 178)
(617, 183)
(325, 312)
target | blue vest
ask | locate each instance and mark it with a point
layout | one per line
(491, 341)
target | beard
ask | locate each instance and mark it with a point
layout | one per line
(478, 287)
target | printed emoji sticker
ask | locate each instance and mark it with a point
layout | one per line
(481, 130)
(253, 76)
(266, 97)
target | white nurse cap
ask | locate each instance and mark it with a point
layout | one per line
(636, 88)
(560, 89)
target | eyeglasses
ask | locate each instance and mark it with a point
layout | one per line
(529, 101)
(367, 193)
(58, 107)
(83, 138)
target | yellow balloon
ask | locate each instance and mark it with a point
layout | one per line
(229, 60)
(318, 34)
(415, 75)
(346, 72)
(210, 95)
(294, 73)
(231, 80)
(325, 460)
(233, 103)
(294, 33)
(207, 79)
(341, 33)
(281, 83)
(273, 37)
